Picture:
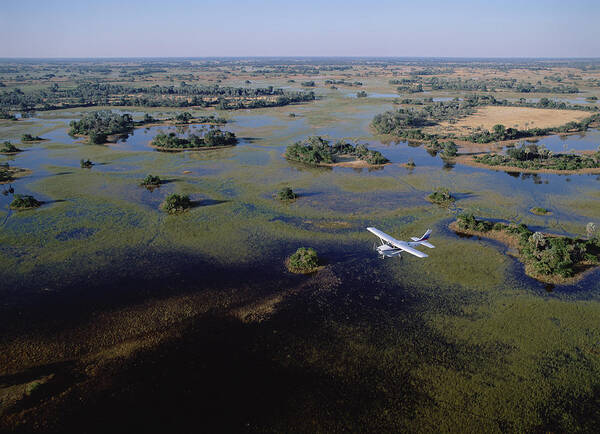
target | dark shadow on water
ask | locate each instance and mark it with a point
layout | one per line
(207, 202)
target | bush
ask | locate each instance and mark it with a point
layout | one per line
(86, 164)
(286, 194)
(538, 210)
(151, 181)
(184, 117)
(8, 147)
(441, 196)
(176, 203)
(303, 261)
(450, 149)
(24, 202)
(97, 138)
(361, 94)
(29, 138)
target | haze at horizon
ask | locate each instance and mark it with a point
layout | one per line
(67, 28)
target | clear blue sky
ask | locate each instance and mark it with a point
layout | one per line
(183, 28)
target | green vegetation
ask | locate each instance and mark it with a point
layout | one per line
(29, 138)
(21, 202)
(151, 181)
(212, 138)
(446, 149)
(5, 173)
(304, 260)
(500, 132)
(343, 82)
(308, 84)
(538, 210)
(361, 94)
(8, 148)
(86, 164)
(286, 194)
(6, 115)
(97, 94)
(407, 122)
(543, 254)
(316, 150)
(410, 89)
(441, 196)
(438, 83)
(176, 203)
(99, 125)
(535, 157)
(183, 118)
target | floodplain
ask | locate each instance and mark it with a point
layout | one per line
(112, 306)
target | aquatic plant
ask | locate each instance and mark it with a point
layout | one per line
(304, 260)
(24, 202)
(176, 203)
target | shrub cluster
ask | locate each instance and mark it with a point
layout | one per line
(24, 202)
(315, 150)
(176, 203)
(304, 260)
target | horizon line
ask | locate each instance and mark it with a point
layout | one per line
(305, 57)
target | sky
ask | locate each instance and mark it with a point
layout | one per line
(208, 28)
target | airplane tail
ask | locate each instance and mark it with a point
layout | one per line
(423, 240)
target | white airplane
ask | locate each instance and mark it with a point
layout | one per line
(391, 247)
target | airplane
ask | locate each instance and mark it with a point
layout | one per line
(391, 247)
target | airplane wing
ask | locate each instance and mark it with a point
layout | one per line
(397, 243)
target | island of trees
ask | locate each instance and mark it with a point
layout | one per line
(99, 125)
(547, 257)
(318, 151)
(531, 156)
(213, 138)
